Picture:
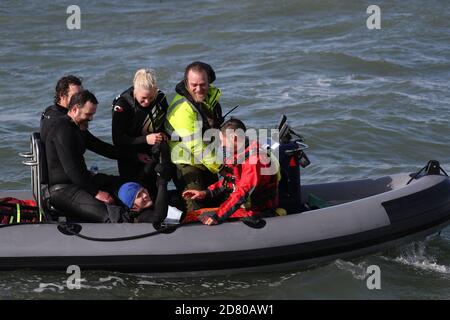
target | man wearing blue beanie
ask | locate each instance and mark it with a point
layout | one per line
(128, 193)
(138, 200)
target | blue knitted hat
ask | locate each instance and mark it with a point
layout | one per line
(128, 192)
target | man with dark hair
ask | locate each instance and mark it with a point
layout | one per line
(74, 191)
(249, 184)
(66, 87)
(193, 110)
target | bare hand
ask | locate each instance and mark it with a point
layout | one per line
(144, 158)
(194, 194)
(154, 138)
(105, 197)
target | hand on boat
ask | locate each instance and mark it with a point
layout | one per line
(208, 218)
(209, 221)
(194, 194)
(105, 197)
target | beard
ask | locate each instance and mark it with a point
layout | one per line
(84, 125)
(199, 98)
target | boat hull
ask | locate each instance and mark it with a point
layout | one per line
(391, 213)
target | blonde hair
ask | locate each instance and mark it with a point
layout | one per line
(145, 79)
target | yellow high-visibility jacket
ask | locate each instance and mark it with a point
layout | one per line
(185, 121)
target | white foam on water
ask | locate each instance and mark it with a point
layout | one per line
(416, 255)
(150, 283)
(423, 264)
(50, 287)
(358, 271)
(114, 279)
(53, 287)
(326, 82)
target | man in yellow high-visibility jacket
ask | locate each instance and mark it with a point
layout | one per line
(193, 110)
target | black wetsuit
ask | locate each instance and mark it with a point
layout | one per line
(158, 212)
(72, 187)
(131, 123)
(162, 199)
(53, 113)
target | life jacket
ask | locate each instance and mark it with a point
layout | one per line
(206, 112)
(14, 210)
(260, 196)
(184, 118)
(150, 119)
(249, 191)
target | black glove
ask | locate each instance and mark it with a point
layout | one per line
(226, 171)
(163, 171)
(208, 214)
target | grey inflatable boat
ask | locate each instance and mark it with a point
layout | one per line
(363, 216)
(324, 222)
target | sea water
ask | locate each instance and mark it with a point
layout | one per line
(369, 102)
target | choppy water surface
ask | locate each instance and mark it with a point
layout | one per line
(369, 103)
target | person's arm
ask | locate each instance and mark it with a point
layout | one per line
(66, 141)
(184, 122)
(249, 180)
(99, 146)
(216, 189)
(211, 192)
(158, 212)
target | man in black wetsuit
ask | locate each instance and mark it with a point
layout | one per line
(74, 191)
(66, 87)
(137, 127)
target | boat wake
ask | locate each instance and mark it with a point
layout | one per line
(426, 255)
(357, 270)
(429, 255)
(116, 285)
(423, 263)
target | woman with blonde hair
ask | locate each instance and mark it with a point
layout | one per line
(138, 128)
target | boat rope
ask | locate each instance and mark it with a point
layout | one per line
(72, 229)
(432, 167)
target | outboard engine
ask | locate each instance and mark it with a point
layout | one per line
(291, 157)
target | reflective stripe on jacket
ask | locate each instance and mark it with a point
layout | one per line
(185, 121)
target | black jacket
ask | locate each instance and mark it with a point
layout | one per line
(131, 122)
(65, 147)
(54, 113)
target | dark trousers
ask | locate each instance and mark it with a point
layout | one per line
(190, 177)
(77, 204)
